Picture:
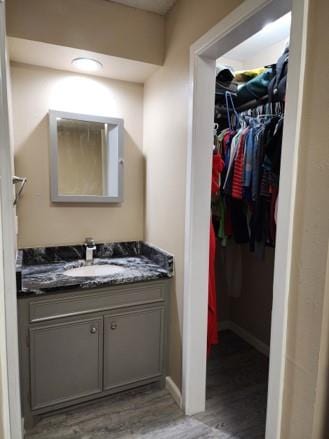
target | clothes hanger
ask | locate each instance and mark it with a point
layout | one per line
(229, 98)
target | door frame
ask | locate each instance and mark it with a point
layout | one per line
(10, 388)
(244, 21)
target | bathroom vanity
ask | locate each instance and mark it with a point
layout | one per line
(84, 337)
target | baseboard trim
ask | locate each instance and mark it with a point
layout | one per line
(246, 336)
(174, 391)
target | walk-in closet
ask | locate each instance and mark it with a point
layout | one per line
(248, 127)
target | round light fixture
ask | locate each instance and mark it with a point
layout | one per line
(268, 25)
(87, 64)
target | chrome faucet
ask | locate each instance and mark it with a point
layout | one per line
(90, 247)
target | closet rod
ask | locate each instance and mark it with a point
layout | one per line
(247, 106)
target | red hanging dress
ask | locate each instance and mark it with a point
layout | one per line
(212, 337)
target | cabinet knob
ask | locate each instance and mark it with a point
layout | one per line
(114, 325)
(93, 330)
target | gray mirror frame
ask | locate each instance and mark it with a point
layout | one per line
(117, 165)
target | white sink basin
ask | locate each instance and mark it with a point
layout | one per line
(94, 270)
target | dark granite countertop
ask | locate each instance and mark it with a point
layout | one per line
(42, 270)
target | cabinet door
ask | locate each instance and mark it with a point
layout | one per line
(66, 361)
(133, 346)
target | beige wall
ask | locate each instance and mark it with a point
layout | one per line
(166, 106)
(35, 91)
(3, 402)
(251, 308)
(95, 25)
(321, 418)
(165, 140)
(1, 410)
(311, 234)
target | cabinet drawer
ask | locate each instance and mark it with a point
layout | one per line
(94, 301)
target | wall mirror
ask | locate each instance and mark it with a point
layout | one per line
(86, 158)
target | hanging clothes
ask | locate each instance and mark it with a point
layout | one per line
(217, 167)
(237, 180)
(212, 333)
(252, 155)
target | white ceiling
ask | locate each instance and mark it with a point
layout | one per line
(271, 34)
(158, 6)
(60, 57)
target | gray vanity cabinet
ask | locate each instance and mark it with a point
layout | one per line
(79, 345)
(66, 361)
(132, 347)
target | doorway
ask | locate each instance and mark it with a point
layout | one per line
(245, 21)
(248, 121)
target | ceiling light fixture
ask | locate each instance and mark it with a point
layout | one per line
(268, 25)
(87, 64)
